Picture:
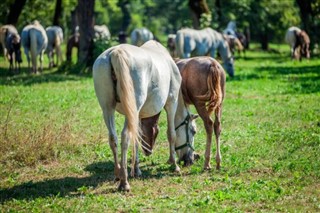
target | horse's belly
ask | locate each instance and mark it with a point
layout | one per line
(153, 105)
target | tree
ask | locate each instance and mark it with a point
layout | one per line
(15, 11)
(86, 23)
(309, 13)
(198, 7)
(57, 13)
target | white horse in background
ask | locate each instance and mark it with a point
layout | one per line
(35, 40)
(231, 29)
(298, 41)
(55, 39)
(204, 42)
(140, 35)
(101, 32)
(139, 82)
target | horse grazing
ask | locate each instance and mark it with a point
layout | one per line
(171, 44)
(73, 41)
(55, 39)
(204, 42)
(140, 35)
(101, 32)
(203, 85)
(299, 43)
(11, 44)
(138, 82)
(35, 40)
(234, 44)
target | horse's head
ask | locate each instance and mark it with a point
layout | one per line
(184, 142)
(226, 55)
(150, 130)
(304, 41)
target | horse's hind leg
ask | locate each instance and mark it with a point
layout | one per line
(113, 140)
(217, 131)
(125, 140)
(208, 124)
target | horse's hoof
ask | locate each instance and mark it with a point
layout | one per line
(218, 167)
(170, 161)
(207, 167)
(124, 187)
(177, 169)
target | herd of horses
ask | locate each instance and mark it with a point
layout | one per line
(138, 80)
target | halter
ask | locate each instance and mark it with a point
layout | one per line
(187, 144)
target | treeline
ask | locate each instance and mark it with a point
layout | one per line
(267, 20)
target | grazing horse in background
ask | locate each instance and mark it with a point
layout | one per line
(171, 44)
(140, 35)
(139, 82)
(299, 43)
(35, 40)
(234, 44)
(231, 29)
(73, 41)
(11, 45)
(203, 85)
(101, 32)
(55, 39)
(204, 42)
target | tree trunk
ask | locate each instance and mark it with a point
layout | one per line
(86, 23)
(219, 13)
(57, 13)
(126, 19)
(197, 7)
(307, 18)
(15, 11)
(264, 41)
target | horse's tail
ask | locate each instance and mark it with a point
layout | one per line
(58, 37)
(180, 44)
(120, 64)
(214, 94)
(33, 48)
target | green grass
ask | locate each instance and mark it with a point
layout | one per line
(55, 155)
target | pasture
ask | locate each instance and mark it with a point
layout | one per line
(55, 156)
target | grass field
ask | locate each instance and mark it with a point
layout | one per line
(55, 155)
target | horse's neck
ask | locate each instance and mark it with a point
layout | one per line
(224, 51)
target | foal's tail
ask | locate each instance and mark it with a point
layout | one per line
(180, 44)
(214, 94)
(126, 94)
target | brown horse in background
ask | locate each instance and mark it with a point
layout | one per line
(299, 43)
(73, 41)
(203, 85)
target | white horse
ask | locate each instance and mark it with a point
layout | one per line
(298, 41)
(231, 29)
(55, 39)
(101, 32)
(204, 42)
(140, 35)
(35, 40)
(138, 82)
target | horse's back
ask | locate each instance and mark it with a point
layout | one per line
(141, 35)
(290, 36)
(195, 72)
(40, 37)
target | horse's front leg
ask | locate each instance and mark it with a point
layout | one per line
(137, 172)
(171, 134)
(125, 140)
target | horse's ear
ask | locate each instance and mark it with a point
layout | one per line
(194, 116)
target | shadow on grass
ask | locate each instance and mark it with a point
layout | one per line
(68, 186)
(101, 172)
(25, 78)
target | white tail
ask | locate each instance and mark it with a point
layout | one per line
(120, 65)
